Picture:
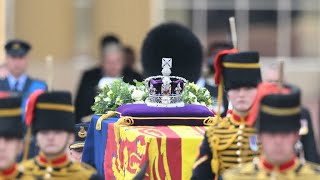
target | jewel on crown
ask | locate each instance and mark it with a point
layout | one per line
(165, 90)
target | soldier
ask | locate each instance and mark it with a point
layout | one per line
(271, 74)
(11, 135)
(17, 81)
(51, 116)
(76, 148)
(227, 143)
(278, 125)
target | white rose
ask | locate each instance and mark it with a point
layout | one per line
(192, 97)
(97, 99)
(137, 95)
(132, 88)
(142, 88)
(119, 101)
(107, 99)
(109, 93)
(207, 93)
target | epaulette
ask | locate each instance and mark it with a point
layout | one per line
(27, 166)
(219, 122)
(23, 174)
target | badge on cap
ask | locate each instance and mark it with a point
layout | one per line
(16, 46)
(253, 143)
(82, 133)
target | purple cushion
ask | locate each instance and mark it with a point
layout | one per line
(190, 114)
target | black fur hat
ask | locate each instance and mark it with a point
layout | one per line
(172, 40)
(11, 117)
(50, 111)
(239, 70)
(280, 112)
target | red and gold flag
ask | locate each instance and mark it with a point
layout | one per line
(171, 151)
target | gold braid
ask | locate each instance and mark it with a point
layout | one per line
(215, 147)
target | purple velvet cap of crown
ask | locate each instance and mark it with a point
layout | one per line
(158, 82)
(194, 114)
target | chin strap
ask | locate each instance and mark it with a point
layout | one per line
(299, 150)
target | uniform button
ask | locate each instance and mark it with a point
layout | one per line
(255, 160)
(240, 132)
(241, 126)
(49, 169)
(239, 160)
(239, 138)
(238, 152)
(239, 144)
(47, 176)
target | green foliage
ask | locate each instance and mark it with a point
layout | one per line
(118, 93)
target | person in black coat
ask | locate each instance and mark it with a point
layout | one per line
(213, 49)
(130, 59)
(90, 79)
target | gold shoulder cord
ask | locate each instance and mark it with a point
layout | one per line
(214, 141)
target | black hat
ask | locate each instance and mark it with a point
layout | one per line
(11, 117)
(239, 69)
(17, 48)
(80, 132)
(50, 111)
(109, 39)
(174, 41)
(280, 112)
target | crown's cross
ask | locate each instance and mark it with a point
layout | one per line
(166, 62)
(166, 65)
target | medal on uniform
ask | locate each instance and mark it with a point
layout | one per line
(253, 141)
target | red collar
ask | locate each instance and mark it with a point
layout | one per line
(283, 167)
(238, 119)
(9, 171)
(58, 161)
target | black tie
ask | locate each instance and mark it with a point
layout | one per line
(16, 86)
